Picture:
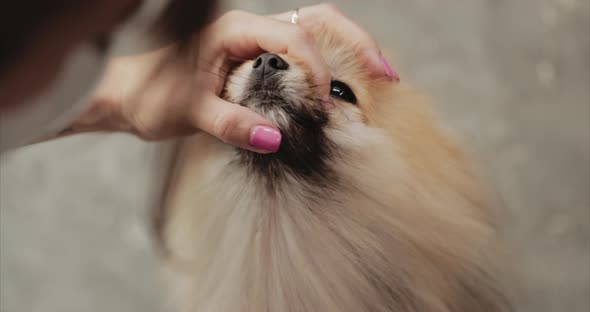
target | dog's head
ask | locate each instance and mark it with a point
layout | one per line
(316, 134)
(380, 125)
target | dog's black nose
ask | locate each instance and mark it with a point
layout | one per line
(269, 63)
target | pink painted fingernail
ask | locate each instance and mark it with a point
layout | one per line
(265, 138)
(389, 72)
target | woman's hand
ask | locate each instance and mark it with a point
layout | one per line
(236, 37)
(159, 95)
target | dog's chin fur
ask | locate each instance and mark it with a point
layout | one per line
(365, 208)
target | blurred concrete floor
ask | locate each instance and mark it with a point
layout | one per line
(513, 76)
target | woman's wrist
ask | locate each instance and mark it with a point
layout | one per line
(104, 115)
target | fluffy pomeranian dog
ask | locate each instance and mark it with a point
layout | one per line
(368, 206)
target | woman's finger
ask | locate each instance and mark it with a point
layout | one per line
(235, 124)
(269, 35)
(328, 15)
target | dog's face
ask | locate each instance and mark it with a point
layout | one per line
(315, 133)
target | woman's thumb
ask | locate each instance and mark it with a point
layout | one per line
(236, 125)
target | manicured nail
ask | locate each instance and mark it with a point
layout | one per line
(265, 138)
(389, 72)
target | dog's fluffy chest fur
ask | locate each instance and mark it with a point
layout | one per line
(250, 248)
(237, 247)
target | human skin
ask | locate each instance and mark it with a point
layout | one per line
(184, 97)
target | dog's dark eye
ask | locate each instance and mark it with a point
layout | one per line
(340, 90)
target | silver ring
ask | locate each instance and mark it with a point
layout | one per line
(295, 17)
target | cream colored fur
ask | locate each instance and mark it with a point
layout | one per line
(407, 229)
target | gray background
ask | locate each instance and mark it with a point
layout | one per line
(511, 75)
